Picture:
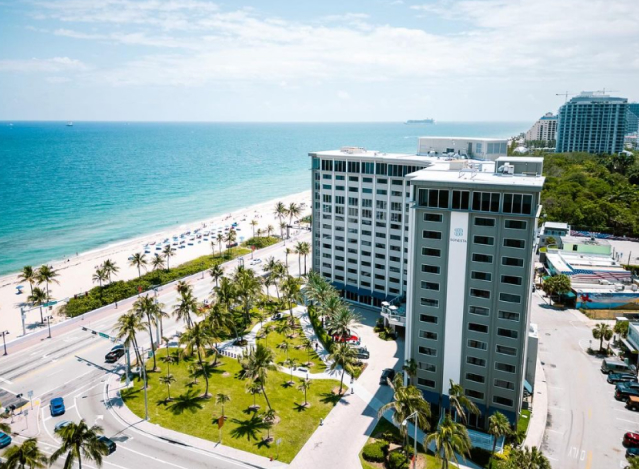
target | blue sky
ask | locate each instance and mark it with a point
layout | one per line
(378, 60)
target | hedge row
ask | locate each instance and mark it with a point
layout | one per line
(375, 452)
(327, 340)
(120, 290)
(261, 242)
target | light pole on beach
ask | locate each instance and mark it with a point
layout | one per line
(4, 341)
(404, 423)
(48, 319)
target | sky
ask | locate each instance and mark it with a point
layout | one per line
(308, 61)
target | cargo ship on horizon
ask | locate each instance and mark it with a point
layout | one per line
(420, 121)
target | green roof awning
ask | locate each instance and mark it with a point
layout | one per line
(569, 295)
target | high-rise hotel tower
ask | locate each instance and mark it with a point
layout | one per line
(452, 241)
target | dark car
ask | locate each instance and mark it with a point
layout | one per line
(387, 374)
(625, 389)
(114, 355)
(109, 443)
(57, 406)
(614, 378)
(5, 440)
(631, 440)
(632, 452)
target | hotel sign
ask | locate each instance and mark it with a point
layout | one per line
(458, 236)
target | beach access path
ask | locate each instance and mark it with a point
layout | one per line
(75, 273)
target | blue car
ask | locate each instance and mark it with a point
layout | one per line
(57, 406)
(5, 440)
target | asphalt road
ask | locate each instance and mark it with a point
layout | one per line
(585, 423)
(71, 365)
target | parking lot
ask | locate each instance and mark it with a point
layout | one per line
(585, 423)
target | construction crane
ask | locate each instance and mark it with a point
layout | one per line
(603, 92)
(566, 94)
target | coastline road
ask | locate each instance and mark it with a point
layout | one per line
(71, 365)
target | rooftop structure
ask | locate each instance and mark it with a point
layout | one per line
(466, 147)
(584, 245)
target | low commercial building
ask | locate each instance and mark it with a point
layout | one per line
(584, 245)
(464, 147)
(554, 230)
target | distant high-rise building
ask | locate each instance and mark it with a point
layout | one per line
(593, 123)
(632, 124)
(545, 129)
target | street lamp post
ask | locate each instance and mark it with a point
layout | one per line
(143, 370)
(4, 341)
(48, 319)
(404, 423)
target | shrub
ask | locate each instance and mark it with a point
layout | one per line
(480, 456)
(375, 452)
(393, 437)
(398, 460)
(323, 336)
(261, 241)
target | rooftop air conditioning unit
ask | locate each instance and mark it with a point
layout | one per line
(509, 168)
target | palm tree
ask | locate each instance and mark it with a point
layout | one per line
(303, 249)
(253, 225)
(281, 212)
(78, 441)
(268, 417)
(308, 346)
(25, 455)
(220, 239)
(527, 458)
(286, 347)
(145, 306)
(602, 331)
(159, 315)
(5, 427)
(450, 438)
(634, 463)
(304, 386)
(126, 329)
(247, 287)
(110, 268)
(186, 306)
(138, 260)
(157, 262)
(167, 380)
(253, 388)
(168, 253)
(460, 403)
(292, 291)
(259, 232)
(39, 297)
(291, 363)
(29, 275)
(216, 272)
(407, 400)
(332, 306)
(195, 340)
(230, 239)
(299, 258)
(410, 367)
(293, 211)
(342, 321)
(257, 365)
(221, 399)
(212, 246)
(47, 275)
(498, 425)
(100, 275)
(183, 287)
(344, 356)
(287, 251)
(269, 230)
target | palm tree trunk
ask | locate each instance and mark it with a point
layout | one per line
(268, 403)
(42, 317)
(341, 381)
(206, 378)
(299, 265)
(168, 391)
(155, 363)
(139, 272)
(304, 264)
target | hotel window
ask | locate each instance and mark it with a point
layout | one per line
(509, 316)
(326, 198)
(427, 234)
(509, 298)
(382, 168)
(339, 199)
(368, 168)
(517, 203)
(340, 188)
(479, 221)
(512, 261)
(474, 394)
(353, 189)
(327, 165)
(434, 217)
(316, 163)
(514, 243)
(507, 333)
(431, 252)
(367, 203)
(397, 206)
(483, 276)
(477, 327)
(379, 215)
(429, 302)
(480, 293)
(353, 167)
(475, 377)
(502, 383)
(502, 401)
(353, 201)
(352, 212)
(427, 335)
(486, 201)
(485, 240)
(382, 192)
(505, 367)
(511, 280)
(430, 286)
(327, 187)
(428, 318)
(340, 166)
(327, 208)
(429, 383)
(430, 269)
(380, 204)
(367, 191)
(427, 367)
(367, 180)
(340, 178)
(396, 217)
(516, 224)
(327, 176)
(382, 181)
(476, 361)
(485, 258)
(478, 310)
(427, 351)
(434, 198)
(396, 193)
(460, 200)
(366, 213)
(506, 350)
(477, 344)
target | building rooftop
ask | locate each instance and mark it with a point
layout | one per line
(358, 152)
(479, 139)
(477, 177)
(556, 225)
(584, 241)
(520, 159)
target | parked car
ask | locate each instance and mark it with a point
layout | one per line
(62, 424)
(631, 440)
(362, 353)
(256, 261)
(57, 406)
(114, 355)
(5, 440)
(387, 374)
(109, 443)
(625, 389)
(277, 316)
(632, 452)
(612, 365)
(614, 378)
(347, 339)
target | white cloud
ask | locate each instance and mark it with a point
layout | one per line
(58, 80)
(343, 95)
(34, 65)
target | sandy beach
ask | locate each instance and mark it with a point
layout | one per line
(75, 274)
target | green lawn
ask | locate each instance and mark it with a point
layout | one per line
(295, 351)
(384, 426)
(243, 429)
(523, 422)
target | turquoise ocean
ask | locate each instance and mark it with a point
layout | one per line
(73, 189)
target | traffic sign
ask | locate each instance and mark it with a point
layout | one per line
(30, 394)
(102, 334)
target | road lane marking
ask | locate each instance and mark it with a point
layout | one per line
(5, 381)
(590, 413)
(153, 457)
(589, 460)
(629, 421)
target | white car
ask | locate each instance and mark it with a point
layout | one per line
(256, 261)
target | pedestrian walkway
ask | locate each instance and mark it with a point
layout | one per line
(537, 425)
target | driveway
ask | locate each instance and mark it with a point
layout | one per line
(585, 423)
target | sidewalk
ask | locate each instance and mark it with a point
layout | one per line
(537, 425)
(116, 406)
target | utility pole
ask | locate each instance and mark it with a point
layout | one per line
(4, 341)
